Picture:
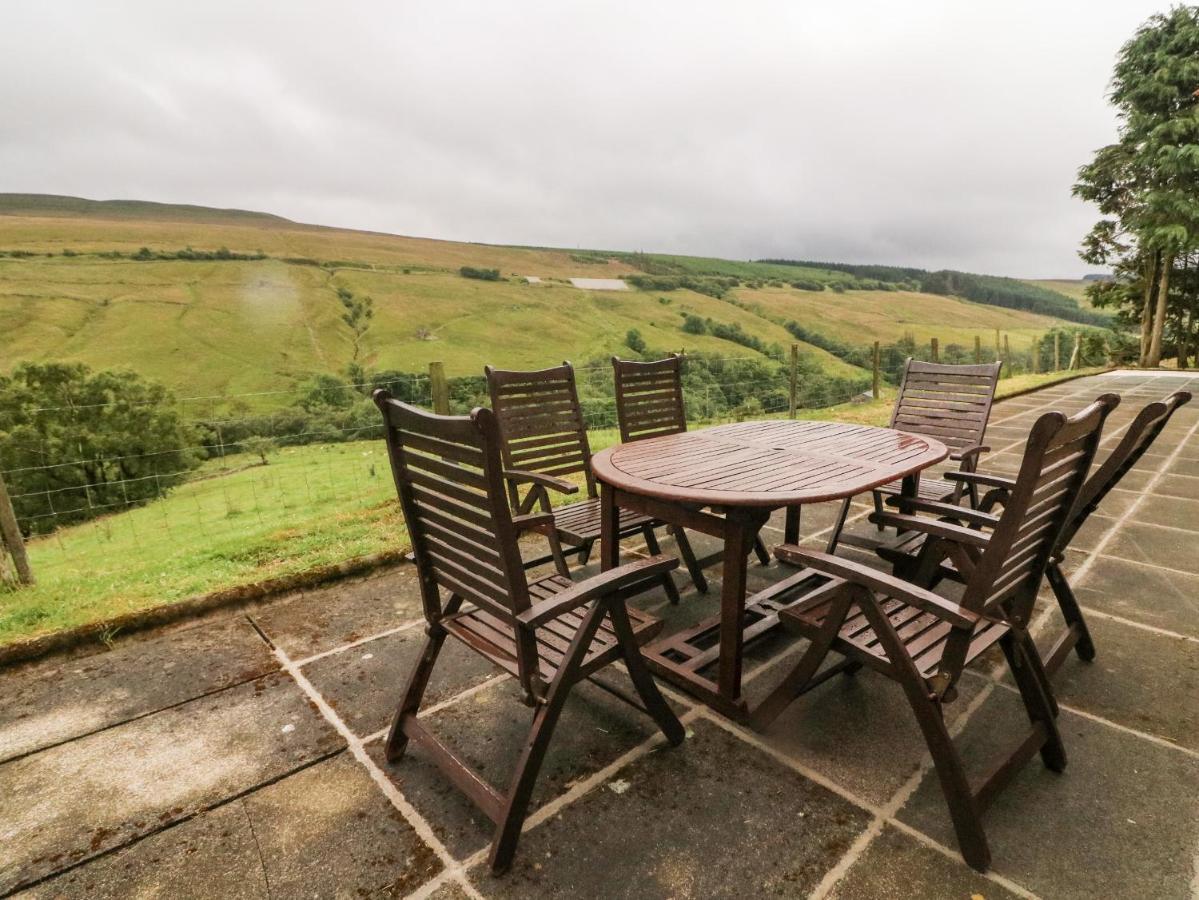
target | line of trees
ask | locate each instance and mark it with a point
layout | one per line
(1146, 185)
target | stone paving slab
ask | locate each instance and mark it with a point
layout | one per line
(324, 832)
(1173, 511)
(76, 800)
(712, 818)
(364, 684)
(328, 617)
(1139, 679)
(488, 730)
(1121, 821)
(1156, 546)
(1142, 594)
(328, 831)
(856, 730)
(212, 855)
(59, 698)
(898, 865)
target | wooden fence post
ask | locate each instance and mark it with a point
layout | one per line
(877, 366)
(1007, 355)
(997, 356)
(1057, 351)
(978, 349)
(935, 349)
(1036, 355)
(1075, 356)
(794, 379)
(439, 388)
(10, 537)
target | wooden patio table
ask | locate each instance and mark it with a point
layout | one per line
(744, 471)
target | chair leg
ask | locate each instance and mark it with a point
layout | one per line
(1085, 647)
(878, 508)
(760, 550)
(647, 689)
(1024, 662)
(651, 544)
(508, 827)
(794, 682)
(955, 786)
(507, 833)
(835, 537)
(397, 739)
(689, 559)
(585, 552)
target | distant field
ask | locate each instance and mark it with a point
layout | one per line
(261, 327)
(1075, 289)
(860, 317)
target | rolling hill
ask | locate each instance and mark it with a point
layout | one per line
(75, 284)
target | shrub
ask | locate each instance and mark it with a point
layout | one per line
(693, 324)
(634, 341)
(480, 274)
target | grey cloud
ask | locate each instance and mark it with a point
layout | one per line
(933, 133)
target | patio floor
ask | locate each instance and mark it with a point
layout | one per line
(240, 755)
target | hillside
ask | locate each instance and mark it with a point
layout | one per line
(1074, 288)
(72, 289)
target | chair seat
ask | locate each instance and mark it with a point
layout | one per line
(579, 523)
(923, 634)
(493, 638)
(936, 489)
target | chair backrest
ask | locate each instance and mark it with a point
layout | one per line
(541, 423)
(949, 403)
(1056, 461)
(1139, 437)
(649, 397)
(447, 472)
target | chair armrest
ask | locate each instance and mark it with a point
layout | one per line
(936, 527)
(999, 481)
(969, 452)
(519, 476)
(601, 585)
(948, 510)
(531, 521)
(879, 583)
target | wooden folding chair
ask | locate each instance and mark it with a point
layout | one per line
(549, 634)
(1139, 437)
(649, 404)
(544, 440)
(924, 641)
(951, 404)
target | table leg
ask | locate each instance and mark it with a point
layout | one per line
(609, 539)
(741, 525)
(791, 525)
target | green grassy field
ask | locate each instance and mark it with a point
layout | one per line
(1075, 289)
(260, 327)
(247, 333)
(309, 507)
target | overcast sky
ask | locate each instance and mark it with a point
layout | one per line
(936, 134)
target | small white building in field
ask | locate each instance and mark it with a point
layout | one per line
(532, 279)
(600, 284)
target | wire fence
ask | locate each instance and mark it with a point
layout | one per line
(300, 464)
(94, 485)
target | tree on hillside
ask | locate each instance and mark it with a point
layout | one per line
(75, 444)
(1146, 186)
(358, 314)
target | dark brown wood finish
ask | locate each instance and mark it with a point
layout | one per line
(1138, 438)
(548, 634)
(544, 444)
(951, 404)
(924, 641)
(649, 404)
(745, 470)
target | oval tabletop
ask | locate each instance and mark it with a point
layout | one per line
(766, 463)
